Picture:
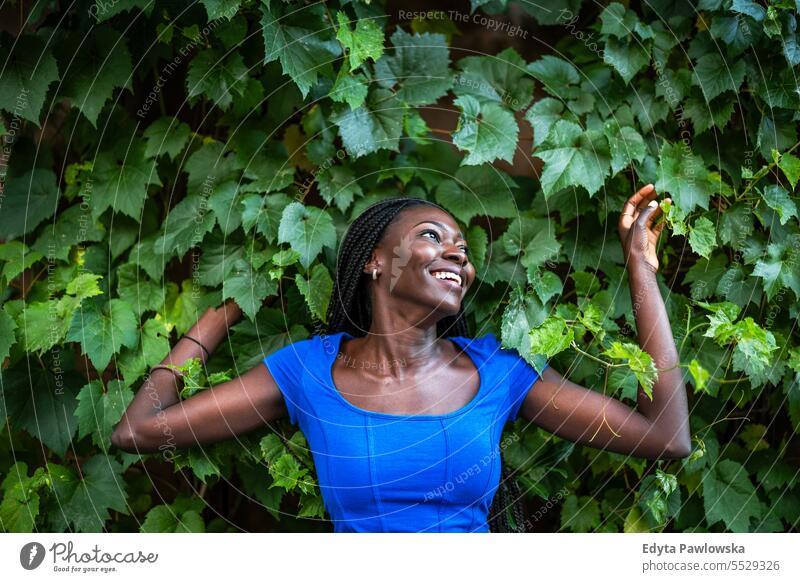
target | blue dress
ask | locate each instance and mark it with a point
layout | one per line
(381, 472)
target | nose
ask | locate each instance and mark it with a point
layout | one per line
(454, 253)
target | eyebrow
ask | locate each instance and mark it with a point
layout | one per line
(440, 225)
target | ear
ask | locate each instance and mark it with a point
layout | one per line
(374, 262)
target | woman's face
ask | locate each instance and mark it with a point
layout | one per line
(423, 259)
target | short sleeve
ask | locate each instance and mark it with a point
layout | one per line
(518, 376)
(287, 366)
(520, 382)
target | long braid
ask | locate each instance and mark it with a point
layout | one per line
(350, 310)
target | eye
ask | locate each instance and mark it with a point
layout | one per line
(433, 232)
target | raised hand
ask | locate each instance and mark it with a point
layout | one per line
(637, 229)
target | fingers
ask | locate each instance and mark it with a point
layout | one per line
(634, 203)
(651, 213)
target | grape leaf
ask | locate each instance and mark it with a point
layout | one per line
(419, 64)
(302, 42)
(307, 230)
(28, 200)
(100, 410)
(683, 176)
(488, 132)
(27, 74)
(122, 184)
(181, 516)
(102, 330)
(376, 125)
(247, 287)
(365, 42)
(499, 79)
(167, 136)
(640, 362)
(703, 237)
(729, 496)
(95, 65)
(86, 502)
(573, 157)
(316, 290)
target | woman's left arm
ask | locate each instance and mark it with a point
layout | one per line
(660, 427)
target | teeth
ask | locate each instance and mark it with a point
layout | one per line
(447, 275)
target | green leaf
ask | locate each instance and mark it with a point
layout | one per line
(286, 472)
(221, 8)
(185, 226)
(85, 502)
(573, 157)
(264, 212)
(729, 496)
(121, 182)
(316, 291)
(16, 257)
(7, 327)
(551, 338)
(779, 268)
(714, 74)
(29, 199)
(307, 230)
(376, 125)
(478, 191)
(20, 506)
(216, 75)
(152, 349)
(247, 287)
(627, 58)
(350, 89)
(488, 132)
(618, 21)
(167, 136)
(181, 516)
(559, 77)
(580, 514)
(96, 64)
(27, 73)
(301, 40)
(625, 145)
(363, 43)
(339, 184)
(41, 401)
(542, 116)
(703, 237)
(102, 330)
(700, 376)
(639, 361)
(99, 410)
(778, 199)
(499, 79)
(419, 64)
(683, 176)
(791, 168)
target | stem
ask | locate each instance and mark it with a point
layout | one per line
(769, 167)
(575, 347)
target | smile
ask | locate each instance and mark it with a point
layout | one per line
(451, 279)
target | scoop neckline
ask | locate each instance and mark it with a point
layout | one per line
(469, 405)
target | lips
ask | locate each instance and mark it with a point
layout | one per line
(449, 277)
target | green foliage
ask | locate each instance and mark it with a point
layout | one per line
(153, 170)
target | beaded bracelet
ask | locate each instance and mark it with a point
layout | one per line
(208, 354)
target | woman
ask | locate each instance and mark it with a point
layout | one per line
(402, 412)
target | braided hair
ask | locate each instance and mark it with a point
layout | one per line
(350, 310)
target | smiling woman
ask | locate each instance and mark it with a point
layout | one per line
(384, 438)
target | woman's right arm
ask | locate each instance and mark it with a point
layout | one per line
(157, 417)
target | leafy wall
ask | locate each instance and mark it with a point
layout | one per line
(160, 157)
